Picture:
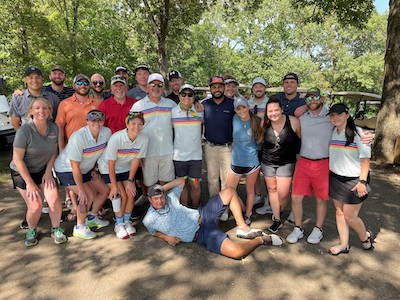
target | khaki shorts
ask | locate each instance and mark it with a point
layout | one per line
(158, 168)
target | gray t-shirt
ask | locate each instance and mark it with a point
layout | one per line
(316, 133)
(136, 93)
(38, 148)
(19, 104)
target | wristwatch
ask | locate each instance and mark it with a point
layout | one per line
(131, 180)
(362, 181)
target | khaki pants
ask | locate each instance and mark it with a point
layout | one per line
(218, 160)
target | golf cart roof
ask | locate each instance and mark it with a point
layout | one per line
(358, 96)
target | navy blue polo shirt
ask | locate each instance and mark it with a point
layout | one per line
(218, 120)
(289, 106)
(66, 92)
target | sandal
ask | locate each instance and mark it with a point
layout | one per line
(367, 244)
(339, 249)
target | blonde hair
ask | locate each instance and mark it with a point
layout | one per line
(29, 115)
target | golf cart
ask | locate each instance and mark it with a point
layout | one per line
(7, 132)
(366, 107)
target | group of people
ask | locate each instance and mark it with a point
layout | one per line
(111, 144)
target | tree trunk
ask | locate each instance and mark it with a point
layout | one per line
(388, 126)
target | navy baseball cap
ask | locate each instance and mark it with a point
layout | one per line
(30, 70)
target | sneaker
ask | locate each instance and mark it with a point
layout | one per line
(316, 236)
(57, 234)
(96, 222)
(31, 238)
(258, 200)
(83, 232)
(225, 215)
(24, 225)
(250, 234)
(130, 229)
(265, 209)
(297, 233)
(290, 218)
(141, 200)
(275, 226)
(120, 231)
(272, 240)
(134, 219)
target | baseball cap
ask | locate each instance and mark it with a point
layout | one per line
(314, 91)
(30, 70)
(216, 79)
(143, 67)
(240, 101)
(186, 87)
(118, 78)
(79, 77)
(338, 108)
(121, 68)
(155, 76)
(291, 76)
(95, 115)
(231, 80)
(155, 190)
(259, 80)
(59, 68)
(174, 74)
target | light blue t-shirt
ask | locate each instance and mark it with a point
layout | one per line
(174, 219)
(244, 150)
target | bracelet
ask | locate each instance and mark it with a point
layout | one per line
(362, 181)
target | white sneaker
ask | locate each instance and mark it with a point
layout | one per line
(290, 218)
(297, 233)
(45, 208)
(141, 200)
(96, 222)
(266, 209)
(130, 229)
(316, 236)
(83, 232)
(250, 234)
(120, 231)
(258, 200)
(225, 215)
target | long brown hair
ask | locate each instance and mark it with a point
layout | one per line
(256, 129)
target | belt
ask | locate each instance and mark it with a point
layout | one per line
(316, 159)
(214, 145)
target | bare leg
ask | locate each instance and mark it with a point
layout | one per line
(53, 201)
(251, 180)
(233, 182)
(81, 216)
(351, 216)
(238, 250)
(321, 211)
(297, 209)
(230, 197)
(195, 192)
(342, 226)
(273, 197)
(185, 195)
(283, 188)
(34, 209)
(101, 191)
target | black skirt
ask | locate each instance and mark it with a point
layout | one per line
(340, 188)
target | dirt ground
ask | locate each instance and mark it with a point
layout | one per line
(144, 267)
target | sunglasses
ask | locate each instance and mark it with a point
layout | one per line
(315, 98)
(255, 109)
(80, 83)
(187, 94)
(134, 114)
(98, 82)
(160, 85)
(95, 115)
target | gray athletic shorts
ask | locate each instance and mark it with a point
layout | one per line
(271, 170)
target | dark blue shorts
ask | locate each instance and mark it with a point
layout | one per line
(67, 179)
(209, 234)
(190, 169)
(120, 177)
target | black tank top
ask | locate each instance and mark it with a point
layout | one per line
(281, 149)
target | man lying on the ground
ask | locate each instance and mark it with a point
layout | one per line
(169, 220)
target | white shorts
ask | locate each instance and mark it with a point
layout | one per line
(158, 168)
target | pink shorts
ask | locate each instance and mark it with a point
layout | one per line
(311, 176)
